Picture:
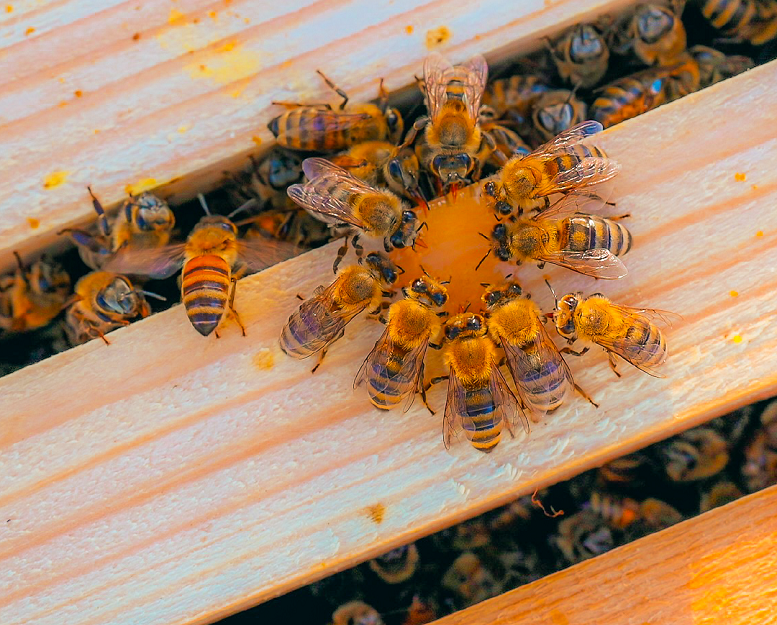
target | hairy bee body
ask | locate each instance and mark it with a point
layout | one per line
(393, 370)
(541, 376)
(31, 297)
(106, 301)
(715, 66)
(581, 56)
(629, 97)
(295, 226)
(754, 21)
(267, 179)
(205, 286)
(321, 320)
(627, 332)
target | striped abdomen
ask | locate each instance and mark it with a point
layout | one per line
(311, 128)
(481, 424)
(643, 344)
(730, 16)
(386, 383)
(544, 382)
(205, 287)
(627, 98)
(313, 327)
(572, 159)
(590, 232)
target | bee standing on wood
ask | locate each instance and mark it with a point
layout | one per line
(336, 197)
(621, 331)
(321, 320)
(581, 56)
(394, 369)
(541, 375)
(31, 298)
(142, 222)
(479, 400)
(454, 148)
(103, 302)
(559, 235)
(563, 165)
(320, 128)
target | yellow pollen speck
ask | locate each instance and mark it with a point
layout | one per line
(183, 129)
(739, 177)
(246, 20)
(97, 131)
(55, 179)
(264, 359)
(409, 29)
(376, 513)
(78, 93)
(34, 223)
(736, 338)
(257, 140)
(176, 17)
(9, 8)
(63, 103)
(232, 65)
(228, 47)
(437, 36)
(29, 31)
(734, 293)
(140, 186)
(760, 233)
(62, 80)
(212, 15)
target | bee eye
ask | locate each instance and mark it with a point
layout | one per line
(419, 286)
(435, 164)
(395, 169)
(499, 231)
(392, 118)
(408, 217)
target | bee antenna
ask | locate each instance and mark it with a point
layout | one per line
(485, 236)
(246, 205)
(509, 275)
(488, 253)
(150, 294)
(485, 285)
(19, 261)
(448, 281)
(555, 299)
(203, 203)
(399, 269)
(426, 273)
(466, 308)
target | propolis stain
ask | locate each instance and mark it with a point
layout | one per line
(264, 359)
(376, 513)
(55, 179)
(437, 37)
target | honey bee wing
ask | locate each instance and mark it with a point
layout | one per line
(571, 136)
(630, 351)
(566, 206)
(598, 263)
(326, 122)
(258, 254)
(652, 314)
(155, 262)
(455, 406)
(437, 71)
(411, 369)
(330, 321)
(507, 406)
(313, 196)
(381, 344)
(476, 84)
(588, 171)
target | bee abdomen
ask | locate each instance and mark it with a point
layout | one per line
(204, 288)
(386, 384)
(546, 385)
(481, 425)
(625, 99)
(729, 15)
(590, 232)
(301, 337)
(646, 344)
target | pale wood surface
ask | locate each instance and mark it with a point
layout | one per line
(720, 567)
(167, 478)
(82, 101)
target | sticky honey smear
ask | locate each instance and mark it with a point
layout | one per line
(454, 247)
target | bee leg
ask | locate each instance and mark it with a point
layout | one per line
(340, 255)
(411, 134)
(102, 219)
(435, 346)
(434, 381)
(541, 265)
(300, 298)
(296, 105)
(323, 352)
(586, 396)
(421, 390)
(231, 305)
(94, 333)
(613, 364)
(569, 350)
(619, 217)
(334, 88)
(358, 248)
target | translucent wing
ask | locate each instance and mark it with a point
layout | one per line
(325, 122)
(652, 314)
(258, 254)
(326, 193)
(455, 407)
(571, 136)
(598, 263)
(329, 319)
(476, 70)
(155, 262)
(506, 404)
(588, 171)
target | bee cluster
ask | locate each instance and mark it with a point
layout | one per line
(534, 536)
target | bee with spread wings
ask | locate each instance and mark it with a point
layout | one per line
(338, 198)
(563, 165)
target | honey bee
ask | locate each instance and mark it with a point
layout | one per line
(630, 471)
(453, 147)
(587, 244)
(377, 162)
(338, 198)
(581, 55)
(356, 613)
(396, 566)
(618, 512)
(31, 298)
(506, 141)
(321, 320)
(583, 535)
(143, 221)
(656, 515)
(656, 33)
(471, 580)
(719, 494)
(103, 302)
(554, 112)
(479, 400)
(420, 611)
(394, 369)
(267, 179)
(621, 331)
(541, 375)
(513, 98)
(715, 66)
(320, 128)
(694, 455)
(213, 259)
(754, 21)
(759, 468)
(563, 165)
(295, 226)
(471, 534)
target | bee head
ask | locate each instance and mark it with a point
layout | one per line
(428, 290)
(407, 231)
(119, 298)
(586, 44)
(465, 325)
(653, 22)
(395, 124)
(556, 118)
(564, 315)
(216, 222)
(46, 276)
(148, 213)
(403, 168)
(383, 267)
(501, 294)
(499, 238)
(452, 168)
(281, 169)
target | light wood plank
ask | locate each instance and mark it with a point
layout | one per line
(720, 567)
(171, 479)
(82, 101)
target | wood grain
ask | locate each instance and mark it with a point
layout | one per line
(128, 95)
(720, 567)
(170, 479)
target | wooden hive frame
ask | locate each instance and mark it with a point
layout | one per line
(167, 479)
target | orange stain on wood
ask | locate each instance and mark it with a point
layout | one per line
(734, 293)
(256, 140)
(760, 233)
(377, 513)
(409, 29)
(558, 618)
(9, 8)
(141, 185)
(228, 47)
(264, 359)
(437, 37)
(55, 179)
(176, 17)
(136, 37)
(740, 177)
(212, 15)
(29, 31)
(78, 93)
(34, 223)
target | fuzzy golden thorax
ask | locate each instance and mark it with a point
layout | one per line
(411, 323)
(516, 322)
(470, 353)
(529, 239)
(213, 235)
(357, 285)
(381, 213)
